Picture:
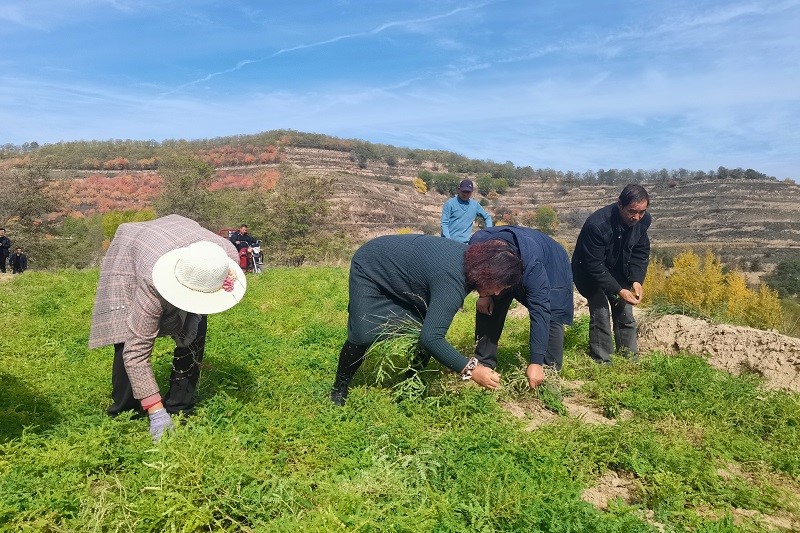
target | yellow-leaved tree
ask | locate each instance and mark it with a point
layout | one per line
(697, 285)
(739, 298)
(765, 309)
(655, 282)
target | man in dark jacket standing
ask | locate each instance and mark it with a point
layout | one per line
(5, 246)
(609, 266)
(19, 261)
(545, 290)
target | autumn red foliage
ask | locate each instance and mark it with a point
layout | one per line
(99, 193)
(230, 156)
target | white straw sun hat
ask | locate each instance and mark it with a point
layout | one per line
(199, 278)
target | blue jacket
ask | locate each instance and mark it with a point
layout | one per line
(546, 280)
(458, 216)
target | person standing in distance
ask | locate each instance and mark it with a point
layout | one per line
(5, 247)
(609, 266)
(18, 261)
(459, 212)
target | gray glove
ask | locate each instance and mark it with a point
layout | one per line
(160, 421)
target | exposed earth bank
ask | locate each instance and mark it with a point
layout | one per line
(734, 349)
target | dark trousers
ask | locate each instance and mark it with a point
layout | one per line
(351, 356)
(600, 326)
(182, 381)
(3, 260)
(488, 329)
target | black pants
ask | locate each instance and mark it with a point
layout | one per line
(3, 260)
(488, 329)
(182, 381)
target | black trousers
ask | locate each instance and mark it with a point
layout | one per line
(182, 381)
(3, 260)
(488, 329)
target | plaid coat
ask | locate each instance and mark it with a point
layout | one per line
(127, 307)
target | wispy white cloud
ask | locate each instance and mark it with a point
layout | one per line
(691, 86)
(408, 25)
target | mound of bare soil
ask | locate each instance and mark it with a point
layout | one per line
(734, 349)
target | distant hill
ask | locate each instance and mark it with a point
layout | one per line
(752, 221)
(743, 220)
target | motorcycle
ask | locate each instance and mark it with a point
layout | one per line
(256, 257)
(251, 259)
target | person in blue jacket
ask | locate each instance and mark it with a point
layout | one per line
(460, 211)
(545, 290)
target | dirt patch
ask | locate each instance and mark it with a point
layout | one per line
(532, 412)
(578, 406)
(6, 277)
(734, 349)
(771, 522)
(610, 487)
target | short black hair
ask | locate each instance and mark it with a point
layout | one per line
(633, 193)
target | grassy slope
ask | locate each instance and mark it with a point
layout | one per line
(267, 451)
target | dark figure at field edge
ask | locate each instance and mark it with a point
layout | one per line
(424, 278)
(545, 290)
(5, 246)
(242, 239)
(609, 266)
(18, 261)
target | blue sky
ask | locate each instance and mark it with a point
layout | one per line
(692, 84)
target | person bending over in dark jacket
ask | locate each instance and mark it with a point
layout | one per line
(545, 290)
(609, 266)
(424, 278)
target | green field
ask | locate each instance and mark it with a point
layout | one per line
(267, 451)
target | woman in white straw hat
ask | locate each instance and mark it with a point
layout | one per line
(161, 278)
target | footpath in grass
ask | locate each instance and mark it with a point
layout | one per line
(683, 446)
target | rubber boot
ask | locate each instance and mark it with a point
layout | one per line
(350, 358)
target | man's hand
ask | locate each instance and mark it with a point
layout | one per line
(486, 377)
(535, 375)
(637, 290)
(629, 297)
(485, 305)
(160, 421)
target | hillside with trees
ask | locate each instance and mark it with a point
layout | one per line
(747, 217)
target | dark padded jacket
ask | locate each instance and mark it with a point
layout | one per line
(546, 280)
(609, 254)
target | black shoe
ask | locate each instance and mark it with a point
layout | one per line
(339, 395)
